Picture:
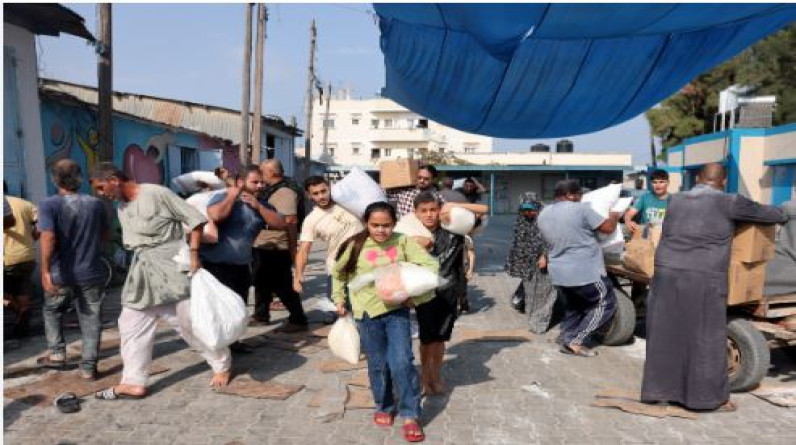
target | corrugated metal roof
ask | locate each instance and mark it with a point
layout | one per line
(215, 121)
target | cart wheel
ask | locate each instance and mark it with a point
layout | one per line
(622, 326)
(748, 356)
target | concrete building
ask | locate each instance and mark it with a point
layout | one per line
(761, 162)
(154, 138)
(367, 131)
(23, 152)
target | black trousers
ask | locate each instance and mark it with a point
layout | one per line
(273, 275)
(234, 276)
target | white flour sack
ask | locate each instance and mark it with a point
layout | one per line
(357, 191)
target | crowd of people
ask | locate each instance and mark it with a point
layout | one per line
(262, 239)
(258, 236)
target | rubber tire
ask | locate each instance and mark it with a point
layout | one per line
(755, 355)
(623, 324)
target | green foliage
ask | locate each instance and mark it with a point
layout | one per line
(768, 66)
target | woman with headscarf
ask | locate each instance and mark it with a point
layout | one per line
(535, 290)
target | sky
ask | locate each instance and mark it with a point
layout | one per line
(194, 52)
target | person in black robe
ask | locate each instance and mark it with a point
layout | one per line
(686, 359)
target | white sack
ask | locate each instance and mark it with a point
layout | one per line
(344, 339)
(462, 221)
(603, 201)
(199, 201)
(188, 182)
(415, 280)
(218, 314)
(357, 191)
(409, 225)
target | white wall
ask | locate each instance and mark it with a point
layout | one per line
(402, 136)
(23, 43)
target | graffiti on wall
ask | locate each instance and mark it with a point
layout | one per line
(146, 165)
(140, 148)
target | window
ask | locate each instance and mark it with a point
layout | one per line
(422, 123)
(355, 149)
(387, 152)
(470, 148)
(354, 121)
(410, 123)
(270, 140)
(387, 123)
(410, 152)
(374, 123)
(189, 160)
(331, 150)
(328, 123)
(442, 149)
(375, 154)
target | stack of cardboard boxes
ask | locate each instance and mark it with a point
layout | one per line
(752, 247)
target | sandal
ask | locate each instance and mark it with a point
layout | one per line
(582, 352)
(383, 419)
(110, 394)
(48, 362)
(413, 432)
(67, 403)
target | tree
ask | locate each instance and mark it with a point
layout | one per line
(769, 67)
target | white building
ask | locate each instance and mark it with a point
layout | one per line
(367, 131)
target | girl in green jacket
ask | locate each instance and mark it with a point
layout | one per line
(384, 328)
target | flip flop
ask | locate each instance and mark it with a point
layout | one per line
(727, 407)
(110, 394)
(584, 352)
(67, 403)
(413, 432)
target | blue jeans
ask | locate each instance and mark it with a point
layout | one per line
(387, 340)
(89, 305)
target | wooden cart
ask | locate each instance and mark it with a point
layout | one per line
(748, 353)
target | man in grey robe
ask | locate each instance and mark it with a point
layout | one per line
(152, 219)
(780, 279)
(687, 316)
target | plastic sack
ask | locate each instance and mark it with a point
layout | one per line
(357, 191)
(461, 221)
(344, 340)
(218, 314)
(603, 200)
(397, 282)
(190, 182)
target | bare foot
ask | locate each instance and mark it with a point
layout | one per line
(129, 390)
(221, 379)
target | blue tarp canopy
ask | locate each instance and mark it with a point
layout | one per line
(552, 70)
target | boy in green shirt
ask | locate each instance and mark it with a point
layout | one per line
(650, 206)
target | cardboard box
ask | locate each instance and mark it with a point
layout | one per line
(753, 243)
(745, 282)
(398, 173)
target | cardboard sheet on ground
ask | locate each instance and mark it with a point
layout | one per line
(339, 366)
(360, 379)
(780, 395)
(519, 335)
(54, 383)
(246, 386)
(359, 398)
(110, 344)
(629, 401)
(304, 344)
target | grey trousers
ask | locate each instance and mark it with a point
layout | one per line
(89, 310)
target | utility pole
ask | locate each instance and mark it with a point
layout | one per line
(243, 151)
(652, 147)
(310, 80)
(105, 83)
(259, 47)
(326, 155)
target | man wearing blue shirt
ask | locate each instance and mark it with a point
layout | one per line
(72, 227)
(239, 216)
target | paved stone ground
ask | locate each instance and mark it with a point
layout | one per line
(502, 393)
